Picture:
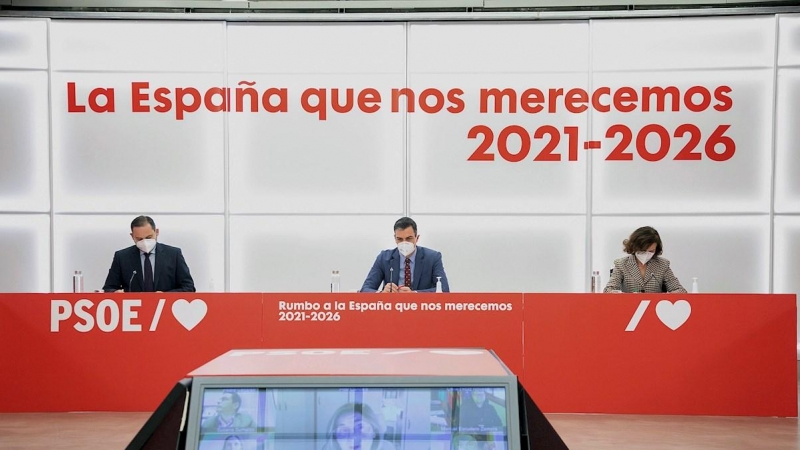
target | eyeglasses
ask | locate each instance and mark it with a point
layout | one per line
(366, 432)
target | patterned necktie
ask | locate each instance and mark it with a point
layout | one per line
(407, 281)
(148, 274)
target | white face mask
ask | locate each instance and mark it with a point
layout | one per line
(406, 248)
(643, 257)
(146, 245)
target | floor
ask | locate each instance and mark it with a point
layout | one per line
(111, 431)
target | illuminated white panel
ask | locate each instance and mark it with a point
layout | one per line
(24, 125)
(787, 138)
(297, 163)
(443, 179)
(316, 48)
(667, 185)
(509, 253)
(23, 43)
(157, 46)
(25, 245)
(298, 253)
(88, 243)
(789, 40)
(498, 47)
(686, 43)
(126, 161)
(725, 253)
(787, 258)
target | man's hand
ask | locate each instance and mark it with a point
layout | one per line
(405, 289)
(120, 290)
(390, 287)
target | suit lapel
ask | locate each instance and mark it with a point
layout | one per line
(159, 265)
(136, 261)
(419, 262)
(394, 263)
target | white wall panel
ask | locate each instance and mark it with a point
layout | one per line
(789, 40)
(127, 162)
(787, 140)
(509, 253)
(316, 48)
(725, 253)
(297, 163)
(498, 47)
(739, 184)
(24, 142)
(137, 46)
(444, 180)
(25, 246)
(23, 43)
(87, 243)
(685, 43)
(298, 253)
(787, 258)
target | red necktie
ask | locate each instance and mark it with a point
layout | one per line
(407, 281)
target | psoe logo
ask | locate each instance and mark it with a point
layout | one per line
(109, 315)
(673, 315)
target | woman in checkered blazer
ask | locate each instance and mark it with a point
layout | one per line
(643, 270)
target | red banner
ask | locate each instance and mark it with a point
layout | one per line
(720, 354)
(114, 352)
(710, 354)
(492, 321)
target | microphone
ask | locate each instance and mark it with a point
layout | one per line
(391, 275)
(131, 280)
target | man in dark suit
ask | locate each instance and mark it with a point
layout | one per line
(407, 268)
(148, 266)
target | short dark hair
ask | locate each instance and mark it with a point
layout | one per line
(235, 399)
(405, 222)
(142, 221)
(642, 238)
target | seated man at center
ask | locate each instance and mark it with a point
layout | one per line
(407, 268)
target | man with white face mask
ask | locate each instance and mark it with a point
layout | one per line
(407, 268)
(643, 270)
(148, 265)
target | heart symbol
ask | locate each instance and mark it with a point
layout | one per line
(189, 314)
(673, 315)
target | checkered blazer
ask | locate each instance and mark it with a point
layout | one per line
(658, 276)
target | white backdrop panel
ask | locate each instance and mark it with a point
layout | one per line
(23, 43)
(787, 259)
(498, 47)
(296, 163)
(442, 180)
(87, 243)
(787, 138)
(25, 244)
(725, 253)
(685, 43)
(739, 184)
(24, 143)
(298, 253)
(128, 162)
(157, 46)
(509, 253)
(789, 40)
(316, 48)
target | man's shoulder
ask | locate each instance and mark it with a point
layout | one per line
(425, 251)
(167, 248)
(127, 251)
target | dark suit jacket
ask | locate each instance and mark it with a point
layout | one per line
(171, 271)
(427, 266)
(658, 276)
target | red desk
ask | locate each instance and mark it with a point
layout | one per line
(730, 355)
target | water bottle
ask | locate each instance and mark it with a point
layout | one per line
(439, 285)
(335, 281)
(596, 283)
(695, 289)
(77, 282)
